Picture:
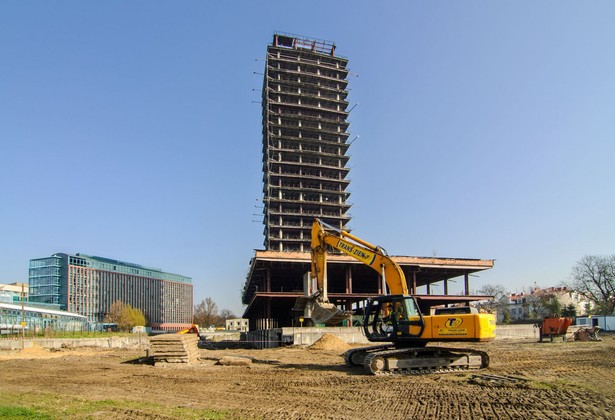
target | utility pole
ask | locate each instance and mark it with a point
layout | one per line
(23, 319)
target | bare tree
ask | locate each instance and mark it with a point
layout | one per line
(206, 313)
(227, 314)
(115, 312)
(594, 277)
(499, 300)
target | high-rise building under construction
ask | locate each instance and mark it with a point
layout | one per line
(305, 175)
(305, 140)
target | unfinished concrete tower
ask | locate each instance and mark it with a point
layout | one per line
(305, 140)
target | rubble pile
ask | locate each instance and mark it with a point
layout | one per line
(174, 348)
(587, 334)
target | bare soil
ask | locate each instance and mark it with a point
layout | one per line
(526, 379)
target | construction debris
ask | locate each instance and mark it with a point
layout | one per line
(174, 348)
(235, 361)
(498, 380)
(587, 334)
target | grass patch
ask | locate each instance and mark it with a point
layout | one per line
(556, 384)
(12, 412)
(55, 406)
(543, 385)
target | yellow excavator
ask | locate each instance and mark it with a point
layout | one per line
(193, 329)
(396, 318)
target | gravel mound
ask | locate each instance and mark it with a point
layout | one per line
(330, 342)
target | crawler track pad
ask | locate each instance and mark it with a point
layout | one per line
(424, 360)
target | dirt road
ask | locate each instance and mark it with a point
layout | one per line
(560, 380)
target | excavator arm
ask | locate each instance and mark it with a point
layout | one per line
(371, 255)
(319, 309)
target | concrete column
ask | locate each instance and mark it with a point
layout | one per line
(348, 280)
(466, 284)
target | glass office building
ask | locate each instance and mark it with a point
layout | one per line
(37, 319)
(89, 285)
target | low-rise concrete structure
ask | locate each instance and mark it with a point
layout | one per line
(279, 337)
(14, 292)
(128, 342)
(237, 324)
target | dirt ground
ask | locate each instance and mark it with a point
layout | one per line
(559, 380)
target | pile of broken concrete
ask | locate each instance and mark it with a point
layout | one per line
(587, 334)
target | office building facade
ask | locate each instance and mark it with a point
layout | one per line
(305, 140)
(89, 285)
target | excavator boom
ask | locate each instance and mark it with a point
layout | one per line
(371, 255)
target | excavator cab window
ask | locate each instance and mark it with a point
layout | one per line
(393, 318)
(375, 323)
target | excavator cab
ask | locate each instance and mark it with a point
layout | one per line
(393, 318)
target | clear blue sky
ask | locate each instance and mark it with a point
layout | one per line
(130, 130)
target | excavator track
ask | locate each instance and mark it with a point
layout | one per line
(424, 360)
(356, 357)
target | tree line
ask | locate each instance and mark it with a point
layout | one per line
(206, 314)
(592, 277)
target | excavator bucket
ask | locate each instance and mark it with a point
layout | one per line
(321, 312)
(327, 313)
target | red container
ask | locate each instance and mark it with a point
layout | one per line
(551, 327)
